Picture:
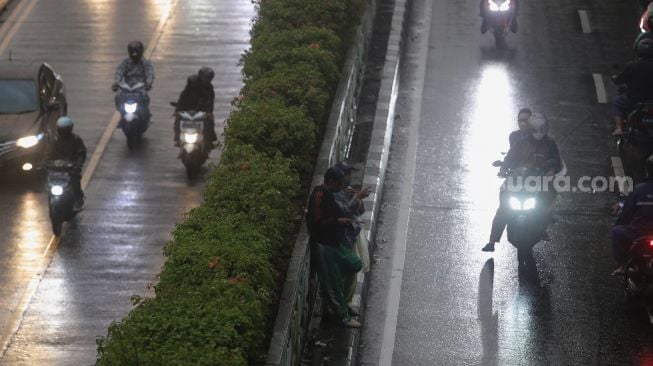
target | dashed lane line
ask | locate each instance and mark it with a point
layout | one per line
(14, 322)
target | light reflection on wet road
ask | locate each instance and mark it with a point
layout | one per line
(113, 250)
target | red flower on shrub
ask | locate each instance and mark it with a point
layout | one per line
(236, 279)
(213, 264)
(314, 45)
(244, 167)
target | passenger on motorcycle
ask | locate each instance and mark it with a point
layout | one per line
(132, 70)
(538, 153)
(638, 78)
(484, 5)
(207, 98)
(635, 220)
(69, 146)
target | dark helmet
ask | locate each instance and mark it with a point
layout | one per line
(192, 81)
(65, 126)
(649, 166)
(135, 49)
(206, 74)
(645, 48)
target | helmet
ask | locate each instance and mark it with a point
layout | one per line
(649, 166)
(192, 81)
(538, 126)
(135, 49)
(645, 48)
(206, 74)
(65, 126)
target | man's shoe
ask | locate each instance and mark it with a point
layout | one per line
(489, 247)
(483, 27)
(513, 25)
(619, 271)
(351, 323)
(353, 312)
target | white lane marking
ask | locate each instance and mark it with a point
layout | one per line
(16, 319)
(585, 21)
(401, 232)
(618, 166)
(15, 22)
(625, 186)
(601, 96)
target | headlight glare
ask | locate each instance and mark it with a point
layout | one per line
(56, 190)
(190, 138)
(529, 204)
(29, 141)
(515, 204)
(131, 107)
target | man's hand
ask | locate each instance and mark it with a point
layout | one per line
(148, 87)
(344, 221)
(114, 87)
(363, 193)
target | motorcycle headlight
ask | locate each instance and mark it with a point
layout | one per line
(515, 204)
(131, 107)
(190, 138)
(529, 204)
(493, 6)
(29, 141)
(505, 6)
(56, 190)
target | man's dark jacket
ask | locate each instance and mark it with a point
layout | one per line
(322, 218)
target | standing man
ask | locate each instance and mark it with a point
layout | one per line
(326, 225)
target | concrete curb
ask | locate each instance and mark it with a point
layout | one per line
(379, 149)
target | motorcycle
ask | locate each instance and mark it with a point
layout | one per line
(636, 142)
(638, 274)
(61, 197)
(528, 217)
(194, 149)
(498, 16)
(131, 101)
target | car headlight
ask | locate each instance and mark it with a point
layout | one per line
(56, 190)
(190, 138)
(515, 204)
(131, 107)
(529, 204)
(29, 141)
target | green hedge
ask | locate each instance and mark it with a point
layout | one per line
(218, 292)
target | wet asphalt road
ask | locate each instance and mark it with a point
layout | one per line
(113, 250)
(458, 305)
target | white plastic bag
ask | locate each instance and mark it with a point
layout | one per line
(363, 251)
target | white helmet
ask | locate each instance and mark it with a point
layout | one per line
(538, 126)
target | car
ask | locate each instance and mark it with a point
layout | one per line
(32, 98)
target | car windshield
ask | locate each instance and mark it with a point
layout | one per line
(18, 96)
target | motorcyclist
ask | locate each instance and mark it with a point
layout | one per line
(207, 98)
(636, 218)
(69, 146)
(484, 5)
(189, 100)
(522, 122)
(132, 70)
(638, 78)
(198, 95)
(538, 153)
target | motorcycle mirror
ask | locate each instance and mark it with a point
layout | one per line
(174, 104)
(497, 163)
